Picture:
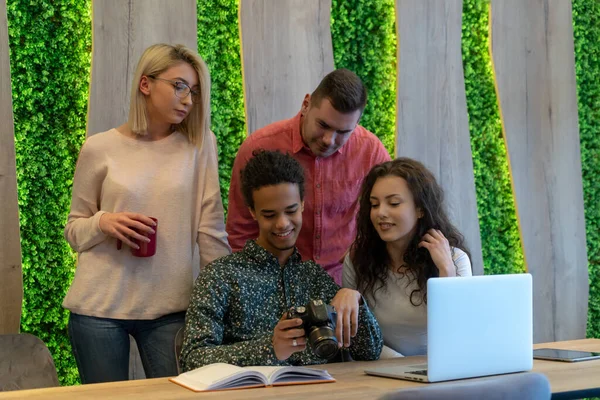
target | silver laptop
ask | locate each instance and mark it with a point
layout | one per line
(476, 326)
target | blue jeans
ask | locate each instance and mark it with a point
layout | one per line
(101, 346)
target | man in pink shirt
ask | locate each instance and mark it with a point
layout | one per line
(336, 154)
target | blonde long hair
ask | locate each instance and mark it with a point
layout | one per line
(155, 60)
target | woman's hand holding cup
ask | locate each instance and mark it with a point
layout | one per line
(127, 226)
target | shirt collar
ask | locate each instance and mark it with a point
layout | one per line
(297, 142)
(262, 256)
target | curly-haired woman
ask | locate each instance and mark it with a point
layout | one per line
(404, 237)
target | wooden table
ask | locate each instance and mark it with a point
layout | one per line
(571, 380)
(568, 380)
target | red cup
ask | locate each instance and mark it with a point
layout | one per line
(146, 249)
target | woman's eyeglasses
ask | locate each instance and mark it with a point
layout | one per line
(182, 90)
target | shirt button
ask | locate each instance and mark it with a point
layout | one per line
(317, 257)
(318, 236)
(317, 213)
(318, 185)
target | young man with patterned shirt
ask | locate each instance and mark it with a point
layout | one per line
(238, 309)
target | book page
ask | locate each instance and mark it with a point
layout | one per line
(291, 374)
(219, 375)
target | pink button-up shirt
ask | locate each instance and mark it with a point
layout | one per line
(332, 186)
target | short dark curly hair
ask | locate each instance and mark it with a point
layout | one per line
(268, 168)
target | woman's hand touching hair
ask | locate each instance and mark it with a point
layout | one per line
(439, 249)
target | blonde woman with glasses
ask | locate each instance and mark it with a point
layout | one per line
(153, 179)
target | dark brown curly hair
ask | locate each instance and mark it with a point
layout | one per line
(369, 253)
(267, 168)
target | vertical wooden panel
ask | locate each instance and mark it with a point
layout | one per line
(122, 30)
(432, 122)
(286, 51)
(11, 288)
(532, 51)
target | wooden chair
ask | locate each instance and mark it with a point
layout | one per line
(178, 346)
(25, 363)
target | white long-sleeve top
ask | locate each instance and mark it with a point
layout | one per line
(169, 179)
(403, 325)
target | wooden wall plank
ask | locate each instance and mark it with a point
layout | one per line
(286, 51)
(533, 55)
(122, 30)
(432, 121)
(11, 291)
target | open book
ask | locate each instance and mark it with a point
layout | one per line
(222, 376)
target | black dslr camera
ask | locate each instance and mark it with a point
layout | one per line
(318, 322)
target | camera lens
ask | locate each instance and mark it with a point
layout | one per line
(323, 342)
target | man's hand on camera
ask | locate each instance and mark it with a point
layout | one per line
(346, 303)
(288, 337)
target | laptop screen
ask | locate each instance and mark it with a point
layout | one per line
(480, 325)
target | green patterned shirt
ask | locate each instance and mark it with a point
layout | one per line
(238, 299)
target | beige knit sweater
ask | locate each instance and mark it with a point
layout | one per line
(169, 179)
